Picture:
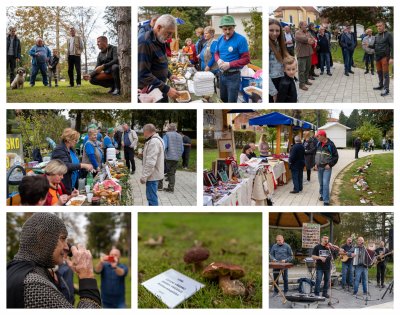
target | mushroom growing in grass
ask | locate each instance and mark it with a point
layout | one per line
(195, 256)
(227, 276)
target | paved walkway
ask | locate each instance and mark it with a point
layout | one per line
(184, 194)
(310, 194)
(356, 88)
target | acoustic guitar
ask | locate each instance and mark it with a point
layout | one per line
(380, 258)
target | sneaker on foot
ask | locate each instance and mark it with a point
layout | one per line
(116, 92)
(352, 72)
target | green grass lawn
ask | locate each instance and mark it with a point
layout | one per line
(357, 57)
(231, 237)
(192, 161)
(124, 260)
(379, 178)
(371, 271)
(86, 93)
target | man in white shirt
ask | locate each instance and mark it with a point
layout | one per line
(74, 51)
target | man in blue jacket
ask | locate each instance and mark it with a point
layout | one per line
(40, 56)
(296, 164)
(281, 252)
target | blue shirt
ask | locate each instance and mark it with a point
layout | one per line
(231, 49)
(109, 143)
(112, 285)
(75, 174)
(90, 151)
(213, 48)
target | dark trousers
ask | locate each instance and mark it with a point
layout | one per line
(185, 157)
(11, 64)
(308, 174)
(369, 60)
(52, 73)
(229, 87)
(110, 80)
(327, 277)
(171, 170)
(74, 61)
(297, 178)
(357, 150)
(285, 276)
(380, 273)
(129, 155)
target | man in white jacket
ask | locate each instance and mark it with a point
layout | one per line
(153, 163)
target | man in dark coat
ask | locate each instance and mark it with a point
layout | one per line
(357, 146)
(296, 164)
(13, 52)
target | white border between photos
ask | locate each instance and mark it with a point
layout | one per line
(134, 4)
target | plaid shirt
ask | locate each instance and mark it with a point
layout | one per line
(152, 63)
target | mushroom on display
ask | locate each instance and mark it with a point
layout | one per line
(195, 256)
(227, 276)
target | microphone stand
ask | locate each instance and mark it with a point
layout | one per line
(330, 280)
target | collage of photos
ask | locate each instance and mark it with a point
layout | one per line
(261, 208)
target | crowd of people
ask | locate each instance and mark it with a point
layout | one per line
(357, 259)
(224, 57)
(41, 273)
(309, 49)
(61, 175)
(45, 60)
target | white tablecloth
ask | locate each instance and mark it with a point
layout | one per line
(239, 196)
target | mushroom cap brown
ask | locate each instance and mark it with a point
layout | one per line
(217, 269)
(196, 254)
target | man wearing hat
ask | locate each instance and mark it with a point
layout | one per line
(232, 54)
(109, 142)
(326, 157)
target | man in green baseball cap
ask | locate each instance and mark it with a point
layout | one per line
(232, 54)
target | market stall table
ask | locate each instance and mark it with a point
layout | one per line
(239, 196)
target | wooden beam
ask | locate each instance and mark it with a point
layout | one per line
(278, 140)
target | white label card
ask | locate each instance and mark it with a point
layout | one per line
(172, 287)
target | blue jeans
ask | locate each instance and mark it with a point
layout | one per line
(348, 59)
(327, 278)
(43, 70)
(285, 279)
(115, 304)
(324, 177)
(229, 87)
(361, 274)
(297, 178)
(347, 268)
(151, 192)
(325, 60)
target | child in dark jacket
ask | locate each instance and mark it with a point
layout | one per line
(288, 86)
(52, 68)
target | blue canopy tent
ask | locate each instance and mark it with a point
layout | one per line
(277, 120)
(283, 24)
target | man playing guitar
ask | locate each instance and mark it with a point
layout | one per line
(380, 252)
(347, 264)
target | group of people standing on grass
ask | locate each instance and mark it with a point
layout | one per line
(307, 49)
(46, 61)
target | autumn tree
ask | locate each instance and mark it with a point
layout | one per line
(100, 231)
(253, 29)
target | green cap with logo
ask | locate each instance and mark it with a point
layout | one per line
(227, 20)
